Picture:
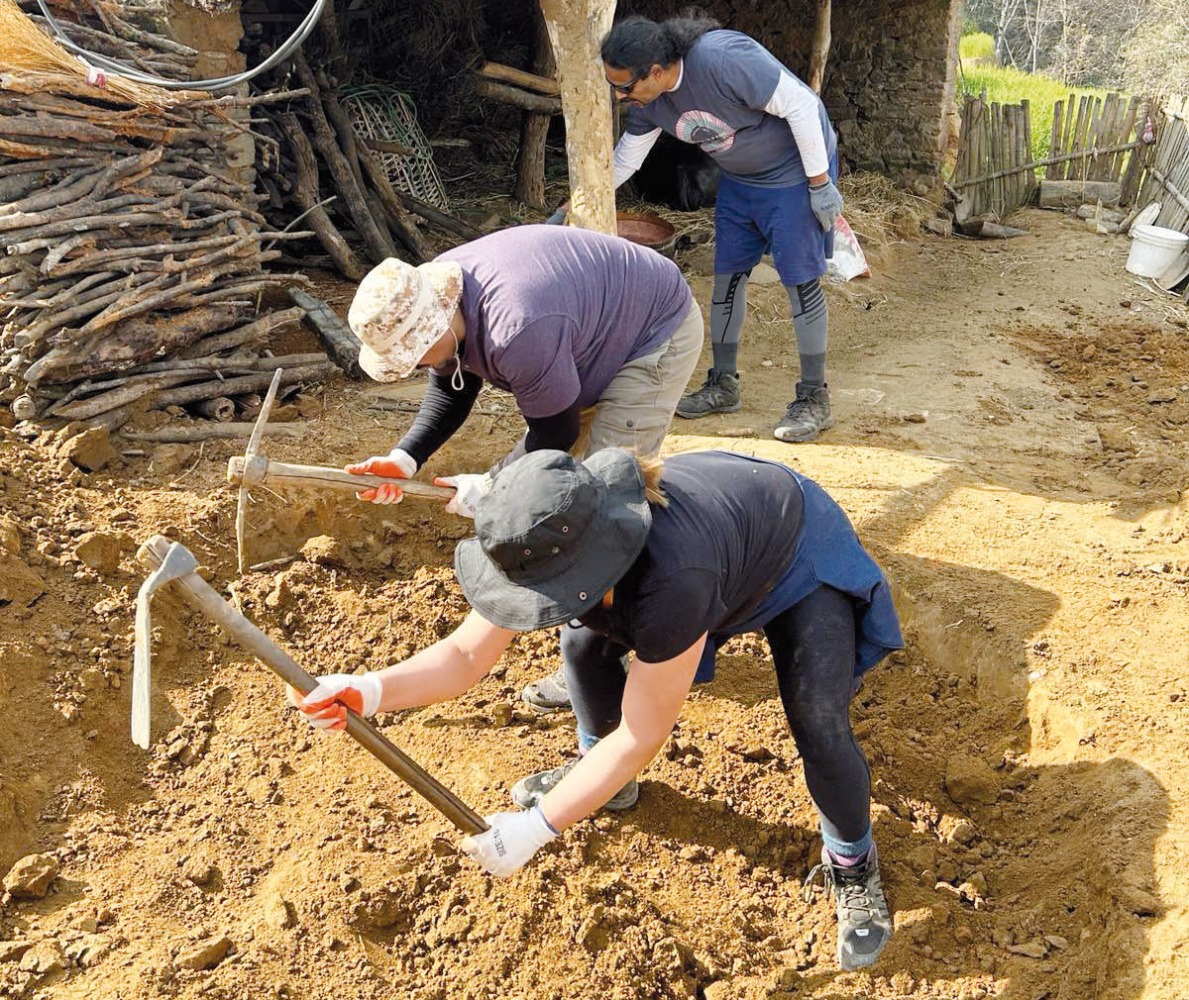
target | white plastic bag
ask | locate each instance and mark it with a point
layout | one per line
(848, 260)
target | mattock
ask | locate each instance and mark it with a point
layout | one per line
(172, 563)
(252, 468)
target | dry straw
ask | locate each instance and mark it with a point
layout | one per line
(26, 50)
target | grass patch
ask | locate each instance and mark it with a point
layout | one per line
(1007, 85)
(977, 47)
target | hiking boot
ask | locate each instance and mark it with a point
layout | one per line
(864, 924)
(527, 792)
(806, 416)
(549, 694)
(719, 394)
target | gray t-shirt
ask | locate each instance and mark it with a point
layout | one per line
(728, 79)
(553, 313)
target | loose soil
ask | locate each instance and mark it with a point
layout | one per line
(1012, 446)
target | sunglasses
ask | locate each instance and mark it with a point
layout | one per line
(627, 88)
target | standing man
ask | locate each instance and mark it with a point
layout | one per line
(595, 337)
(726, 93)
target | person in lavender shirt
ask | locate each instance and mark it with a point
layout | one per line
(595, 337)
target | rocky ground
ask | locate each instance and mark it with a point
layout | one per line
(1012, 446)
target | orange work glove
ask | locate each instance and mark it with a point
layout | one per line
(397, 464)
(326, 706)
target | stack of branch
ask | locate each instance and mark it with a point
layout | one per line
(330, 179)
(132, 261)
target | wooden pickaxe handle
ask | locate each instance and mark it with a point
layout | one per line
(206, 599)
(243, 470)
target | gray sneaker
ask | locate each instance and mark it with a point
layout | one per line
(806, 416)
(864, 923)
(527, 792)
(719, 394)
(549, 694)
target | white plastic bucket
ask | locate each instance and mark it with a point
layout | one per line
(1154, 249)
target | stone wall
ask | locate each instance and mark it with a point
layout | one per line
(890, 78)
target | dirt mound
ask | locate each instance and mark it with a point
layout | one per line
(1026, 747)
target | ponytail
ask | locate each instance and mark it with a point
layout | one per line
(636, 44)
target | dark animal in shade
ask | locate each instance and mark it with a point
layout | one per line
(678, 174)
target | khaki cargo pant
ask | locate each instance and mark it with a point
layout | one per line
(636, 409)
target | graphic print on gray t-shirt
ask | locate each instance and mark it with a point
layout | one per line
(728, 79)
(553, 313)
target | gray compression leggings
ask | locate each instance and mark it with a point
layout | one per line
(728, 307)
(813, 650)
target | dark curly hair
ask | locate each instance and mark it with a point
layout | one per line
(637, 43)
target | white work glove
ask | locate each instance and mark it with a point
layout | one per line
(324, 706)
(511, 842)
(826, 201)
(469, 488)
(397, 464)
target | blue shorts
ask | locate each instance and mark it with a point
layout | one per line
(751, 221)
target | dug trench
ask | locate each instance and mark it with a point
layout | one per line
(1026, 747)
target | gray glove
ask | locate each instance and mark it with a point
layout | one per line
(826, 202)
(558, 218)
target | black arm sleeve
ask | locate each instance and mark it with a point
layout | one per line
(559, 431)
(442, 412)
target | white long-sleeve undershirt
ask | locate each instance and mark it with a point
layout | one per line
(797, 105)
(630, 152)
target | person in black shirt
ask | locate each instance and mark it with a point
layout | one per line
(663, 562)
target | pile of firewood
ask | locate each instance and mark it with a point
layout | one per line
(133, 262)
(331, 179)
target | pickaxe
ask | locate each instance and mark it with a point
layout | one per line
(252, 468)
(173, 562)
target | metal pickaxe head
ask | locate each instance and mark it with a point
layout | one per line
(179, 561)
(241, 507)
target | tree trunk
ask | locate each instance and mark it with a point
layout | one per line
(820, 50)
(530, 158)
(576, 29)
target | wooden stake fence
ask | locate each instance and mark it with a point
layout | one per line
(1167, 176)
(995, 172)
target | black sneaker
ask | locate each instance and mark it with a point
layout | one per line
(806, 416)
(549, 694)
(527, 792)
(719, 394)
(864, 923)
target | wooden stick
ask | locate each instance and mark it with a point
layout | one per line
(332, 331)
(518, 98)
(105, 402)
(529, 81)
(244, 383)
(254, 332)
(206, 432)
(306, 193)
(218, 408)
(819, 50)
(340, 168)
(442, 220)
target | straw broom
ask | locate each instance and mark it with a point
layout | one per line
(26, 49)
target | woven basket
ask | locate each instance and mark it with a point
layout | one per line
(379, 111)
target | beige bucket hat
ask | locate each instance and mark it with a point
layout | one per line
(399, 311)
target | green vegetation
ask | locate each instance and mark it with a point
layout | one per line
(977, 47)
(1007, 85)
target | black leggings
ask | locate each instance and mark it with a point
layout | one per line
(813, 650)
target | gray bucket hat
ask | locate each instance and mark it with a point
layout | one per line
(552, 536)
